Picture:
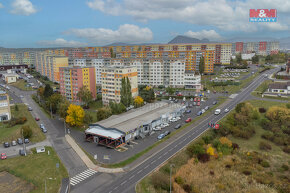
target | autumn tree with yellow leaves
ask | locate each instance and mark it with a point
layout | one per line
(75, 115)
(138, 101)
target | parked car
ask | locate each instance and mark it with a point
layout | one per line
(206, 108)
(194, 99)
(214, 102)
(217, 111)
(161, 136)
(190, 105)
(194, 103)
(179, 94)
(3, 156)
(203, 110)
(198, 103)
(164, 125)
(29, 108)
(22, 152)
(6, 144)
(26, 140)
(198, 99)
(188, 111)
(13, 143)
(170, 98)
(166, 133)
(199, 113)
(37, 119)
(188, 120)
(177, 118)
(21, 96)
(19, 141)
(227, 110)
(177, 126)
(191, 99)
(44, 130)
(41, 126)
(156, 129)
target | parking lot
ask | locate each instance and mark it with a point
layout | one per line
(109, 156)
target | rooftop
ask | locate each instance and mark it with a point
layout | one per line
(105, 132)
(279, 85)
(138, 117)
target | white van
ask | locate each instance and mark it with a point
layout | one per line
(40, 149)
(217, 112)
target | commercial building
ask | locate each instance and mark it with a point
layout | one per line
(192, 80)
(137, 123)
(112, 82)
(74, 78)
(5, 113)
(280, 88)
(10, 77)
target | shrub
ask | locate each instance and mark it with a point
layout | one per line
(17, 121)
(27, 131)
(203, 157)
(286, 149)
(235, 146)
(264, 146)
(160, 180)
(207, 139)
(88, 118)
(262, 110)
(268, 135)
(265, 124)
(247, 172)
(285, 167)
(187, 188)
(265, 164)
(179, 180)
(16, 107)
(225, 141)
(288, 105)
(195, 149)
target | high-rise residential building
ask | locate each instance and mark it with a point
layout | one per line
(192, 80)
(5, 113)
(74, 78)
(260, 48)
(112, 82)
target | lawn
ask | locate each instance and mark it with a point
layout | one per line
(12, 133)
(35, 168)
(21, 84)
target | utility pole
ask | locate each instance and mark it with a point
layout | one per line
(24, 149)
(171, 165)
(64, 126)
(50, 111)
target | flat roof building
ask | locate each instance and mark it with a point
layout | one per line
(5, 113)
(118, 129)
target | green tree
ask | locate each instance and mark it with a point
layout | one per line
(239, 58)
(48, 91)
(268, 58)
(16, 107)
(201, 65)
(104, 113)
(54, 101)
(117, 108)
(170, 90)
(126, 93)
(27, 131)
(85, 95)
(62, 108)
(255, 59)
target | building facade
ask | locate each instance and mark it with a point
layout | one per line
(112, 82)
(72, 79)
(5, 113)
(260, 48)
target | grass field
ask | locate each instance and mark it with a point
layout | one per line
(21, 84)
(35, 168)
(215, 175)
(12, 133)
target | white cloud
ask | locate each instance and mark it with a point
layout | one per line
(23, 7)
(209, 34)
(61, 43)
(225, 14)
(126, 33)
(1, 6)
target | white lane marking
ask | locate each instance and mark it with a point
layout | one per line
(123, 182)
(131, 177)
(146, 166)
(153, 161)
(139, 171)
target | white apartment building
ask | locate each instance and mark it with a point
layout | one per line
(192, 81)
(112, 82)
(82, 62)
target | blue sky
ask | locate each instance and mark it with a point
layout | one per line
(54, 23)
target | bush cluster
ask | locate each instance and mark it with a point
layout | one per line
(160, 180)
(265, 146)
(17, 121)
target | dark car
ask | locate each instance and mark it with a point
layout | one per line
(19, 141)
(6, 144)
(166, 133)
(22, 152)
(26, 140)
(199, 113)
(214, 102)
(177, 126)
(188, 111)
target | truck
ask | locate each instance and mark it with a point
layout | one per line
(217, 111)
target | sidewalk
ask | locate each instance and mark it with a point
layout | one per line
(87, 160)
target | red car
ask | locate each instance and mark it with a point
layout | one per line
(36, 119)
(194, 100)
(198, 103)
(188, 120)
(179, 94)
(198, 99)
(3, 156)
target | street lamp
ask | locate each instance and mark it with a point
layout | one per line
(45, 183)
(171, 165)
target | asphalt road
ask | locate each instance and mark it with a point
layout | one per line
(125, 182)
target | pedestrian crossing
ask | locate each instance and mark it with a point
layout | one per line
(82, 176)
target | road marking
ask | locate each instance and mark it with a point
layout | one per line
(131, 177)
(165, 153)
(139, 171)
(175, 146)
(123, 182)
(146, 166)
(160, 157)
(153, 161)
(82, 176)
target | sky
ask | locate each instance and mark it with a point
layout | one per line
(78, 23)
